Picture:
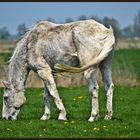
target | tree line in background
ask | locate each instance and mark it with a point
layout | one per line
(131, 31)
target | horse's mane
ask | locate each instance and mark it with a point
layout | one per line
(19, 44)
(22, 42)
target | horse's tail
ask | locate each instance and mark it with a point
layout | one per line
(108, 46)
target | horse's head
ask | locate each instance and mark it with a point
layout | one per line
(12, 101)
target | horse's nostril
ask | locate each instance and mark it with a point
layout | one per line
(9, 117)
(17, 108)
(4, 118)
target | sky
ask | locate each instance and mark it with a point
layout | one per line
(14, 13)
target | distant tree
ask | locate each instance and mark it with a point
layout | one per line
(128, 32)
(22, 29)
(68, 20)
(96, 18)
(4, 34)
(83, 17)
(136, 25)
(50, 19)
(115, 25)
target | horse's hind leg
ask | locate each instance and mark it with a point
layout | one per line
(47, 96)
(46, 75)
(90, 76)
(105, 68)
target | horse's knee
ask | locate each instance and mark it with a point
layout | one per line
(94, 91)
(45, 73)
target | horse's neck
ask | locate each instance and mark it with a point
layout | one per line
(18, 70)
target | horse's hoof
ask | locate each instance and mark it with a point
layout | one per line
(93, 118)
(107, 117)
(62, 116)
(62, 119)
(45, 117)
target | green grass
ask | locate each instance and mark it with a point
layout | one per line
(5, 57)
(126, 59)
(125, 122)
(123, 58)
(126, 118)
(125, 69)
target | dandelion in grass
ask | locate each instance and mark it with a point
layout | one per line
(85, 130)
(104, 126)
(80, 97)
(65, 122)
(96, 129)
(44, 129)
(72, 122)
(41, 94)
(8, 129)
(74, 99)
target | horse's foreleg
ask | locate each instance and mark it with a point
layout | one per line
(47, 76)
(47, 96)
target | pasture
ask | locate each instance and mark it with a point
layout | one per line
(125, 122)
(125, 70)
(126, 117)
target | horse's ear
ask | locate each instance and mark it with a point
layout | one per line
(6, 84)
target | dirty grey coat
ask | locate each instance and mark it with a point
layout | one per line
(74, 44)
(50, 47)
(71, 47)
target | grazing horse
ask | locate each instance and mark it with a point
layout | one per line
(48, 48)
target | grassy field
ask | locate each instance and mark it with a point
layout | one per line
(126, 69)
(125, 122)
(128, 58)
(126, 119)
(125, 66)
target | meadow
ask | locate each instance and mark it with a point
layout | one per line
(126, 117)
(124, 124)
(125, 71)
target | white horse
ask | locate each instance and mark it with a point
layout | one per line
(47, 48)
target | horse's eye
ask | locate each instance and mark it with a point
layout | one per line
(17, 108)
(5, 97)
